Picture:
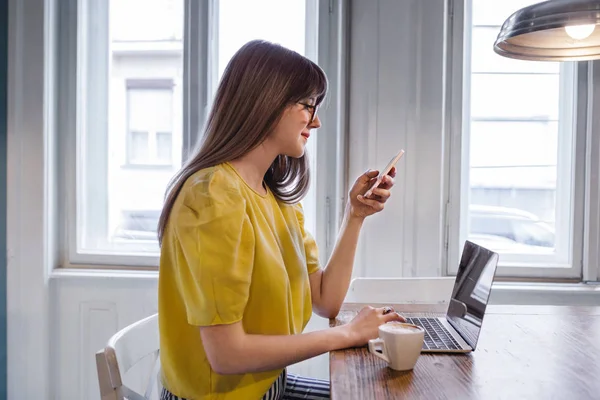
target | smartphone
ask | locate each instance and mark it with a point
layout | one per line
(384, 172)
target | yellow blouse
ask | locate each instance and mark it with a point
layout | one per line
(229, 254)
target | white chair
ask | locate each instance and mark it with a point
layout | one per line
(124, 350)
(434, 290)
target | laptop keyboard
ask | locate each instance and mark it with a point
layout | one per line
(437, 336)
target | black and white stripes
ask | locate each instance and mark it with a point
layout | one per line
(300, 387)
(294, 387)
(277, 389)
(286, 387)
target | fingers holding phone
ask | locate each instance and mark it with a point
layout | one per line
(385, 179)
(379, 194)
(381, 186)
(372, 189)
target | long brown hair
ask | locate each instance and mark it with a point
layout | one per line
(260, 81)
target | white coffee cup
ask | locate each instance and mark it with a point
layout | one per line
(399, 344)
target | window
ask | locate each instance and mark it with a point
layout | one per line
(517, 186)
(131, 97)
(149, 126)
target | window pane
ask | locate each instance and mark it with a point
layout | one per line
(488, 61)
(509, 144)
(147, 58)
(520, 144)
(164, 147)
(139, 151)
(150, 109)
(494, 12)
(514, 96)
(146, 21)
(133, 70)
(278, 21)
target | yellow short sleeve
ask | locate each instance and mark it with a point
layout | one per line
(217, 251)
(310, 245)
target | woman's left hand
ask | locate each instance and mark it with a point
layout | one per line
(363, 207)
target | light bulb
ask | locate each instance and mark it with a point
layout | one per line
(579, 32)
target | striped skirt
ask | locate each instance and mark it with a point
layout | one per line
(286, 387)
(292, 387)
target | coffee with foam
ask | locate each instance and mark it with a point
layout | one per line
(399, 328)
(399, 344)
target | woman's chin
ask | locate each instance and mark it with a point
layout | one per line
(297, 152)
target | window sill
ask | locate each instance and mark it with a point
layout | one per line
(532, 293)
(91, 273)
(147, 167)
(520, 293)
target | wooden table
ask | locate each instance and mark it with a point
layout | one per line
(524, 352)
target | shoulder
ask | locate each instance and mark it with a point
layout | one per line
(212, 192)
(217, 180)
(299, 212)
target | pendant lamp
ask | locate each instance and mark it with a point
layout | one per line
(554, 30)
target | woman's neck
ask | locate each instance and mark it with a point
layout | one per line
(253, 166)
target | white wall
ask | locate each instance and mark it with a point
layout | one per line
(85, 313)
(28, 239)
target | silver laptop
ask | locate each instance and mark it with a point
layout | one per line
(458, 331)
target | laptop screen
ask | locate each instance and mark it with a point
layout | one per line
(472, 291)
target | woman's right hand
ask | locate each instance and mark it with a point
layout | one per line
(365, 326)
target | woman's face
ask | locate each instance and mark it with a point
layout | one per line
(294, 128)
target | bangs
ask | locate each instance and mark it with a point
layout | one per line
(310, 82)
(317, 83)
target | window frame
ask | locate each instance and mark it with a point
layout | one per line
(589, 91)
(331, 186)
(460, 71)
(83, 81)
(199, 83)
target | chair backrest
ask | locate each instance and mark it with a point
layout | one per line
(434, 290)
(126, 348)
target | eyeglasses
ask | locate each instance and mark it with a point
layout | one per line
(313, 111)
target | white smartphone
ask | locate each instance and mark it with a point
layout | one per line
(384, 172)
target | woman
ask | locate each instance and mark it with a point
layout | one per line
(239, 275)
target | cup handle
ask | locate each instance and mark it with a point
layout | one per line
(378, 344)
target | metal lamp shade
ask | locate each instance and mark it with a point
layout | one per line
(555, 30)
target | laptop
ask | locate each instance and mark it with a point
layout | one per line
(458, 331)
